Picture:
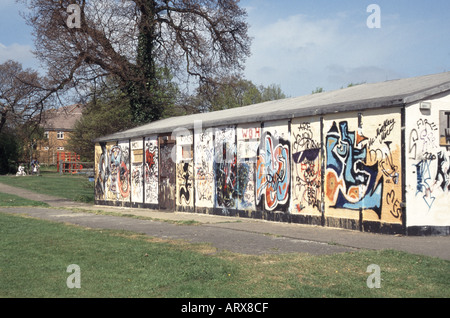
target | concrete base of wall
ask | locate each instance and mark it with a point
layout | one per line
(185, 208)
(428, 230)
(113, 203)
(274, 216)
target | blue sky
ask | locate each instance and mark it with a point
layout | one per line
(301, 45)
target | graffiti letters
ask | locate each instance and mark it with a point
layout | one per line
(422, 139)
(383, 131)
(306, 168)
(431, 167)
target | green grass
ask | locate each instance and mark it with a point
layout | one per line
(10, 200)
(76, 188)
(35, 254)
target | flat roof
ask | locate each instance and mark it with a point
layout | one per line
(391, 93)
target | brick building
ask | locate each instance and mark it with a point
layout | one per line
(58, 125)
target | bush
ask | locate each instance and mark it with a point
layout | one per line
(9, 153)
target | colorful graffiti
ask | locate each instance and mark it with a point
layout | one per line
(246, 185)
(350, 183)
(119, 168)
(363, 172)
(113, 181)
(151, 170)
(273, 173)
(306, 170)
(248, 139)
(225, 168)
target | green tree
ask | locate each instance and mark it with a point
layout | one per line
(318, 90)
(10, 152)
(232, 92)
(107, 112)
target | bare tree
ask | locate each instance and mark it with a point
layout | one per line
(22, 97)
(133, 40)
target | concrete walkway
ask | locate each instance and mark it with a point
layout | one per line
(234, 234)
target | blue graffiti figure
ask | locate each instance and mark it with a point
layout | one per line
(359, 187)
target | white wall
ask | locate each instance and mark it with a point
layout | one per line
(427, 166)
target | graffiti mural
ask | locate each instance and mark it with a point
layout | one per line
(248, 139)
(306, 167)
(204, 168)
(225, 168)
(151, 170)
(113, 178)
(101, 171)
(273, 170)
(137, 171)
(351, 184)
(363, 167)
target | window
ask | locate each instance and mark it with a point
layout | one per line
(60, 135)
(60, 148)
(46, 134)
(444, 127)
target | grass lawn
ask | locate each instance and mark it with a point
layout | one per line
(10, 200)
(72, 187)
(35, 254)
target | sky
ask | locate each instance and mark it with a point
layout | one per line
(301, 45)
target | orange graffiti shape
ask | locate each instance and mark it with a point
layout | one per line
(333, 185)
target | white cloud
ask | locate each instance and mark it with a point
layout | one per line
(301, 53)
(18, 52)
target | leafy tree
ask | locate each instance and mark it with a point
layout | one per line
(10, 151)
(107, 112)
(232, 92)
(131, 40)
(318, 90)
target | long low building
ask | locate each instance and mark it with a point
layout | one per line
(372, 157)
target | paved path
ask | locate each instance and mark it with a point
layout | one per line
(239, 235)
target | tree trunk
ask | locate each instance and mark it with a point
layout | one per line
(145, 104)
